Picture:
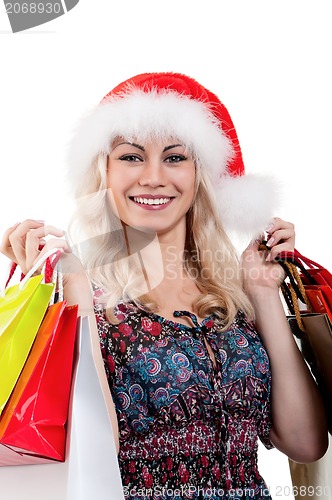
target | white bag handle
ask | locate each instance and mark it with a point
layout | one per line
(39, 263)
(57, 277)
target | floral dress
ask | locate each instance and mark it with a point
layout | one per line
(188, 425)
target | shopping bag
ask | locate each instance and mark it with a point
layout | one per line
(309, 319)
(315, 343)
(312, 328)
(22, 308)
(319, 272)
(316, 280)
(92, 452)
(90, 470)
(313, 480)
(34, 419)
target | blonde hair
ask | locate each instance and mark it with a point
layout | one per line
(209, 256)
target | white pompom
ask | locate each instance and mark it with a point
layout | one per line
(247, 203)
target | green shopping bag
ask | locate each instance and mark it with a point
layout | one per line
(22, 308)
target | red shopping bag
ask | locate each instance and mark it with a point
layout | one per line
(316, 279)
(306, 291)
(32, 426)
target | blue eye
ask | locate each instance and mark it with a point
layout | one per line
(176, 158)
(130, 158)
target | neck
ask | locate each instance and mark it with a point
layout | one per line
(161, 258)
(161, 255)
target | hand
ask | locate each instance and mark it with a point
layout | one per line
(24, 243)
(259, 267)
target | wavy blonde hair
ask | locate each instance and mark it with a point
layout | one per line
(209, 256)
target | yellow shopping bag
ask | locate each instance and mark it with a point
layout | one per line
(22, 308)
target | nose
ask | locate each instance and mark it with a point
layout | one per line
(153, 174)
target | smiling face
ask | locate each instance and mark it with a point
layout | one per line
(152, 185)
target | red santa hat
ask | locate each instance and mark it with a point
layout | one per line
(162, 105)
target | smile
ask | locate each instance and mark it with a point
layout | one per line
(151, 201)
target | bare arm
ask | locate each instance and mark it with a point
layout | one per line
(299, 426)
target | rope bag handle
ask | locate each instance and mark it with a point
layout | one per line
(294, 276)
(294, 290)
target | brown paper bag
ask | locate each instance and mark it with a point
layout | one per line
(316, 347)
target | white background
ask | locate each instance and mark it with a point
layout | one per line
(268, 61)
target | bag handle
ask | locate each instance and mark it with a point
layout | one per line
(48, 262)
(57, 279)
(48, 265)
(48, 268)
(291, 257)
(287, 262)
(291, 293)
(294, 290)
(294, 278)
(48, 271)
(51, 273)
(301, 259)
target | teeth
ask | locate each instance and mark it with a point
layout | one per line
(150, 201)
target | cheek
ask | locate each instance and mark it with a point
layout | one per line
(186, 182)
(113, 202)
(117, 183)
(120, 180)
(114, 178)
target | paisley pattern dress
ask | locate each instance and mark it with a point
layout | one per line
(188, 425)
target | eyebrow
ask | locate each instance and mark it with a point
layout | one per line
(142, 149)
(170, 147)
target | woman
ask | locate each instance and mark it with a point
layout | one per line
(197, 350)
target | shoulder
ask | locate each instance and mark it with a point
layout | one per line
(242, 321)
(123, 310)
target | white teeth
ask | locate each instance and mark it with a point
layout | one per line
(150, 201)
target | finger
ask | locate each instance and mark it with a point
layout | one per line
(24, 226)
(277, 224)
(281, 235)
(34, 239)
(51, 244)
(44, 231)
(282, 247)
(5, 246)
(18, 237)
(46, 253)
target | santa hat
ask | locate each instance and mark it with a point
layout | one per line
(162, 105)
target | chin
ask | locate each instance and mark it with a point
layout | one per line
(151, 228)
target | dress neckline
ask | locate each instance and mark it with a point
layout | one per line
(182, 326)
